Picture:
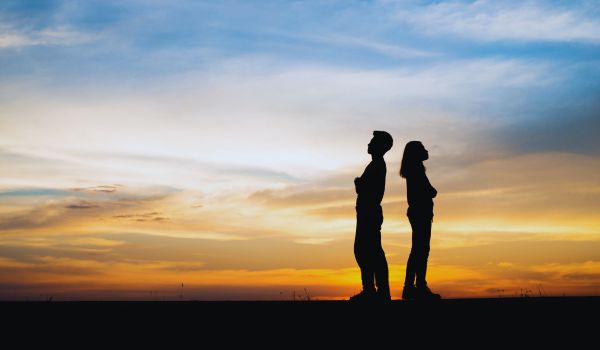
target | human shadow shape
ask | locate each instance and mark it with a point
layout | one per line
(420, 194)
(369, 254)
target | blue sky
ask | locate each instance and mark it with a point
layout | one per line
(100, 37)
(67, 44)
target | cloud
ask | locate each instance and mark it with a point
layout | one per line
(144, 217)
(74, 209)
(316, 202)
(93, 242)
(570, 128)
(520, 252)
(150, 211)
(82, 205)
(35, 217)
(8, 263)
(47, 37)
(507, 21)
(62, 167)
(101, 188)
(583, 276)
(506, 193)
(369, 44)
(302, 196)
(349, 88)
(268, 134)
(334, 211)
(34, 192)
(537, 192)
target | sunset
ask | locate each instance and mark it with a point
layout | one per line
(206, 150)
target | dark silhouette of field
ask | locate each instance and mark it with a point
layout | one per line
(512, 322)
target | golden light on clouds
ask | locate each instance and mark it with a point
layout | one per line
(489, 239)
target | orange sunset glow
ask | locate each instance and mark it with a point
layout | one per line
(202, 151)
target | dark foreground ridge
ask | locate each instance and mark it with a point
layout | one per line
(539, 320)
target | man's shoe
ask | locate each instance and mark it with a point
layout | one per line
(409, 292)
(383, 296)
(424, 293)
(363, 296)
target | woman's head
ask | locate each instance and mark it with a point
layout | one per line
(413, 157)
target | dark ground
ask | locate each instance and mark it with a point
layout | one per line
(485, 323)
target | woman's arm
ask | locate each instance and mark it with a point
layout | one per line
(430, 189)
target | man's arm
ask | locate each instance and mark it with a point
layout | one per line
(381, 172)
(357, 184)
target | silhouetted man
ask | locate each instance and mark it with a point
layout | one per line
(369, 254)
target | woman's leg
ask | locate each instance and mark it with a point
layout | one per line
(412, 257)
(423, 244)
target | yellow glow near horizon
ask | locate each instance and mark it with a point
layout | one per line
(125, 239)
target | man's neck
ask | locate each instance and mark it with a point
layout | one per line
(376, 157)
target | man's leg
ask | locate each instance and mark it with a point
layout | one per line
(382, 273)
(361, 254)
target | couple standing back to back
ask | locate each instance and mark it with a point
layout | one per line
(369, 254)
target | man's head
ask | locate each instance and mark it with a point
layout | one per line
(380, 143)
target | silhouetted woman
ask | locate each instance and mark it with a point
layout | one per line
(420, 196)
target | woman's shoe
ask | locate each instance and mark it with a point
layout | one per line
(424, 293)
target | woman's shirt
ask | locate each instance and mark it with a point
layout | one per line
(419, 193)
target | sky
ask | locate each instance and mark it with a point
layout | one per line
(206, 150)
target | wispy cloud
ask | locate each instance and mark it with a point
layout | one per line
(277, 112)
(507, 20)
(101, 188)
(10, 38)
(82, 205)
(143, 217)
(34, 192)
(302, 196)
(73, 208)
(370, 44)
